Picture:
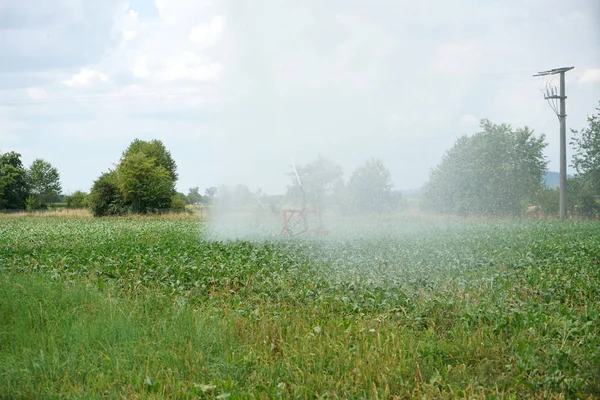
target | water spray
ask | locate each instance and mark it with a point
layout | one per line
(295, 220)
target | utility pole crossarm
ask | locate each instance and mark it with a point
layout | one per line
(554, 71)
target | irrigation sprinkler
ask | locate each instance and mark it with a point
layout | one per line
(296, 220)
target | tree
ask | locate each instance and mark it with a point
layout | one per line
(105, 197)
(156, 151)
(235, 197)
(370, 188)
(193, 196)
(178, 201)
(145, 185)
(495, 172)
(582, 198)
(586, 187)
(315, 183)
(43, 181)
(143, 182)
(78, 199)
(211, 194)
(13, 182)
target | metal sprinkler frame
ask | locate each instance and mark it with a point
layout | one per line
(297, 226)
(295, 220)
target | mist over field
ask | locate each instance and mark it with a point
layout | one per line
(332, 199)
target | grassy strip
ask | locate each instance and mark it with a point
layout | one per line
(69, 340)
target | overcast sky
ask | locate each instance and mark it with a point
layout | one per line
(240, 89)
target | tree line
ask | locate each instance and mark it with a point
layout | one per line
(27, 188)
(495, 172)
(499, 172)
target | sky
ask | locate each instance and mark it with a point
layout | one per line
(239, 90)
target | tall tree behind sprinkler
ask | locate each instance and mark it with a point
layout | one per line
(551, 96)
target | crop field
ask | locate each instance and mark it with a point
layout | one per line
(154, 308)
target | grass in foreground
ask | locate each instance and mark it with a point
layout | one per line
(148, 308)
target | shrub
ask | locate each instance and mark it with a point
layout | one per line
(78, 199)
(105, 197)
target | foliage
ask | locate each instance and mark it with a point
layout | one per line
(155, 150)
(178, 202)
(210, 195)
(235, 197)
(119, 307)
(43, 181)
(33, 203)
(582, 198)
(585, 193)
(78, 199)
(495, 172)
(318, 182)
(194, 196)
(105, 197)
(143, 182)
(370, 188)
(586, 143)
(13, 182)
(145, 186)
(548, 200)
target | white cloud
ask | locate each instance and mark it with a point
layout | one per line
(349, 79)
(36, 93)
(129, 34)
(86, 78)
(206, 35)
(590, 76)
(140, 69)
(190, 67)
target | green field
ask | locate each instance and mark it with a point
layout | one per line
(141, 307)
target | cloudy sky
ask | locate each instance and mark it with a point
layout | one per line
(239, 89)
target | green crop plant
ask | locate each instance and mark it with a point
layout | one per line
(144, 307)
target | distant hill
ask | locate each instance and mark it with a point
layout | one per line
(552, 179)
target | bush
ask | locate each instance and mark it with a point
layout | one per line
(105, 197)
(177, 203)
(32, 203)
(78, 199)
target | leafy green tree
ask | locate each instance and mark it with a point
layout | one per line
(43, 181)
(582, 198)
(370, 188)
(235, 197)
(584, 193)
(78, 199)
(13, 182)
(495, 172)
(143, 182)
(105, 197)
(146, 186)
(193, 196)
(315, 183)
(210, 195)
(156, 151)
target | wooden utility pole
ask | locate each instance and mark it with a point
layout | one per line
(551, 96)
